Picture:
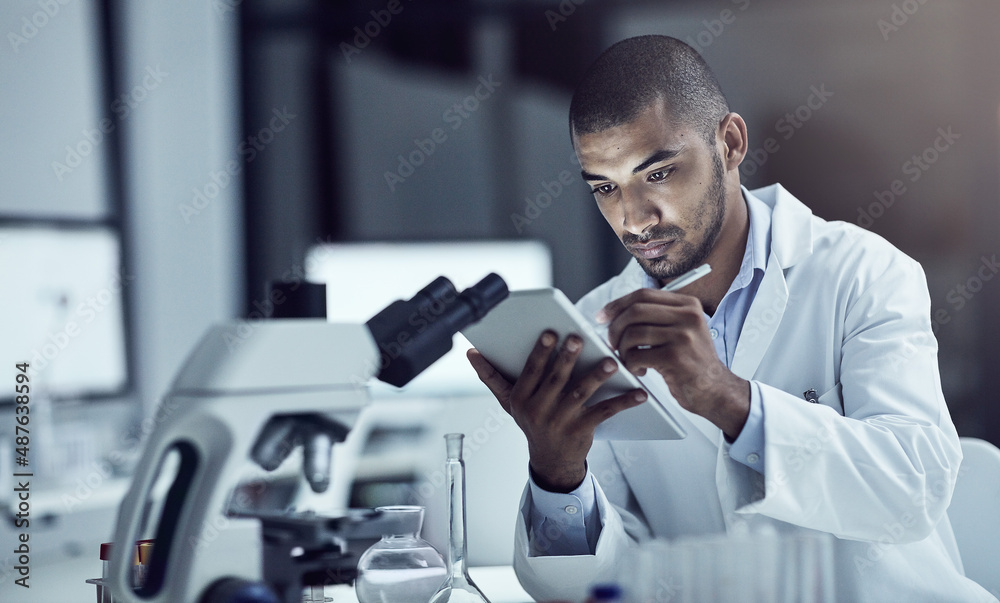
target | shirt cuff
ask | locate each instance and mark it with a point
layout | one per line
(564, 524)
(748, 448)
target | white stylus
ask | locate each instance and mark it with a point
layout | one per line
(688, 277)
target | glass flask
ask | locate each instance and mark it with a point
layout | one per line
(459, 587)
(401, 567)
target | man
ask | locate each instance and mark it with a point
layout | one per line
(793, 304)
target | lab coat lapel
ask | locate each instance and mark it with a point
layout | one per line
(791, 240)
(762, 320)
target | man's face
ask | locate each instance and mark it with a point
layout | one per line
(660, 187)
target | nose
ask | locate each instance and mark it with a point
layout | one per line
(638, 213)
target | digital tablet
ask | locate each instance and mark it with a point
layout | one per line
(507, 334)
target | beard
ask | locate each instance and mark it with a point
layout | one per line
(685, 254)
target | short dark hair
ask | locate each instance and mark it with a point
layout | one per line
(633, 73)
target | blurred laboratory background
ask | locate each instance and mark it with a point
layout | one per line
(162, 161)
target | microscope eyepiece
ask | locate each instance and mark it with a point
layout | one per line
(413, 334)
(485, 295)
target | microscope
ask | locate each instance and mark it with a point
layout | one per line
(255, 390)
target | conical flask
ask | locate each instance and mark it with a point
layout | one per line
(459, 587)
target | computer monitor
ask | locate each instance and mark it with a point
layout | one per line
(64, 314)
(363, 278)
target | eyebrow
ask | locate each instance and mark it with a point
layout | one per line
(658, 156)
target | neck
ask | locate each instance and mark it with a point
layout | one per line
(727, 255)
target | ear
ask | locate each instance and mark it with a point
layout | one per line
(732, 135)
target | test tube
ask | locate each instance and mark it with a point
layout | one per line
(103, 591)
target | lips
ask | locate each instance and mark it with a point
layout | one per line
(653, 249)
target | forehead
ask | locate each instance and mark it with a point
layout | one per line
(627, 145)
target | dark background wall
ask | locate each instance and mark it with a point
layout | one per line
(885, 81)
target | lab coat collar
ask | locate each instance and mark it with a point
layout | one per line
(791, 224)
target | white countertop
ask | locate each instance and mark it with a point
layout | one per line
(64, 581)
(498, 583)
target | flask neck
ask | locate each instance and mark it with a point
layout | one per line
(457, 549)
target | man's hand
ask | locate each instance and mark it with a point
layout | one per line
(552, 415)
(667, 332)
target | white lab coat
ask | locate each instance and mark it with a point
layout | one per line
(841, 311)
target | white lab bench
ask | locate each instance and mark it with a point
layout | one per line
(65, 582)
(498, 583)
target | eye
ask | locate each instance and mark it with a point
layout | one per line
(604, 190)
(660, 175)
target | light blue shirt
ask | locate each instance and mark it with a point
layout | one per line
(568, 524)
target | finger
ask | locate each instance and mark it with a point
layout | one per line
(638, 360)
(647, 336)
(589, 383)
(562, 368)
(602, 411)
(534, 366)
(640, 314)
(614, 307)
(652, 296)
(496, 383)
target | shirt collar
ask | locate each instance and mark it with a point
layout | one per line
(756, 252)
